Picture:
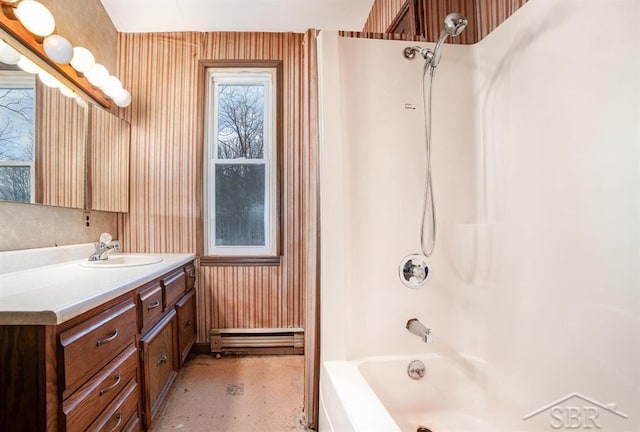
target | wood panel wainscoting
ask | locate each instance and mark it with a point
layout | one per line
(165, 213)
(483, 15)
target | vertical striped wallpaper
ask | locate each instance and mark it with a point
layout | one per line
(381, 15)
(483, 15)
(166, 148)
(60, 142)
(109, 168)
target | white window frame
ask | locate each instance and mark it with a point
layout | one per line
(253, 75)
(21, 80)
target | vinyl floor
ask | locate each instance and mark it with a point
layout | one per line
(236, 394)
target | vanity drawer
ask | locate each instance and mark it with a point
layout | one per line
(134, 424)
(190, 270)
(150, 305)
(89, 346)
(174, 286)
(186, 309)
(118, 414)
(81, 408)
(160, 364)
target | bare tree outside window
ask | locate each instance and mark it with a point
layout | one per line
(16, 143)
(240, 121)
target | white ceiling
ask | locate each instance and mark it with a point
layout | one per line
(237, 15)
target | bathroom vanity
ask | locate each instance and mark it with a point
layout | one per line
(93, 348)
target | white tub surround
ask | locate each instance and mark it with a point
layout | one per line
(53, 294)
(536, 169)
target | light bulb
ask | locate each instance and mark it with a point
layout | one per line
(35, 17)
(81, 101)
(97, 75)
(123, 98)
(112, 86)
(58, 49)
(48, 79)
(67, 91)
(8, 55)
(82, 60)
(28, 66)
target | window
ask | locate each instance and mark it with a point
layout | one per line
(240, 172)
(17, 172)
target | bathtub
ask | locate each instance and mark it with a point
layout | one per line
(376, 394)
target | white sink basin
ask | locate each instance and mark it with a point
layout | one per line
(123, 260)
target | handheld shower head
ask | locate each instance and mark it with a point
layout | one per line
(454, 23)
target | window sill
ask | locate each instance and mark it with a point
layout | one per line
(240, 261)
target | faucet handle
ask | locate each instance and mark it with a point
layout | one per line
(105, 239)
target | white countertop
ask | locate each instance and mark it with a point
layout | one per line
(56, 293)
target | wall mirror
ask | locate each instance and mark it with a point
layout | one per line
(109, 139)
(56, 150)
(42, 142)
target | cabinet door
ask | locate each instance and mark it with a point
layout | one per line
(160, 364)
(186, 309)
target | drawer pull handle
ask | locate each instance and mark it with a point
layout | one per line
(163, 359)
(109, 339)
(192, 275)
(119, 417)
(112, 386)
(187, 324)
(153, 305)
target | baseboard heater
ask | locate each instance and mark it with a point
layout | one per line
(277, 340)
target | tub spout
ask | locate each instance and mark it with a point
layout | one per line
(418, 329)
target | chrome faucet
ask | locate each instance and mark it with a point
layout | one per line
(103, 247)
(418, 329)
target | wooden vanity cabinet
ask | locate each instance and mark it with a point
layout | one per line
(108, 369)
(98, 370)
(150, 306)
(174, 285)
(190, 270)
(167, 343)
(159, 363)
(186, 309)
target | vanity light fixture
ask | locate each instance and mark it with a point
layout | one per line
(122, 99)
(97, 75)
(58, 49)
(49, 80)
(35, 17)
(8, 55)
(82, 60)
(28, 66)
(58, 52)
(112, 86)
(66, 91)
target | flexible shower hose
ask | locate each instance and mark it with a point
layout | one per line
(427, 249)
